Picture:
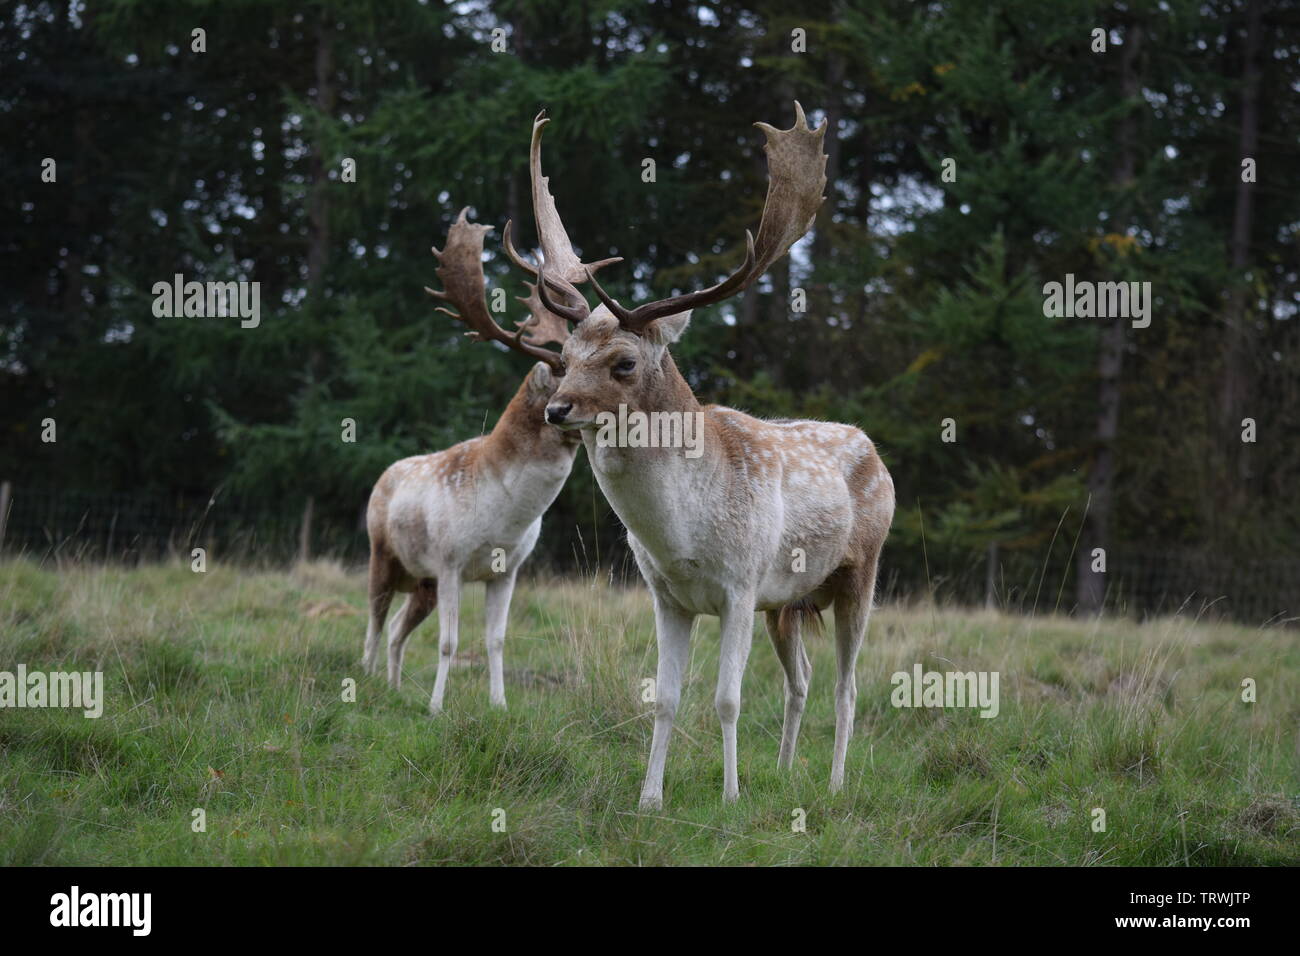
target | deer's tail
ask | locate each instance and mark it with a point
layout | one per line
(799, 615)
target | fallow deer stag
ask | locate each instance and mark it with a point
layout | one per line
(786, 517)
(472, 512)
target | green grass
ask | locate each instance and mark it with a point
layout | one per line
(224, 692)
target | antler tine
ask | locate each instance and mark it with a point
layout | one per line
(531, 269)
(615, 308)
(574, 314)
(514, 255)
(566, 289)
(461, 272)
(742, 278)
(796, 177)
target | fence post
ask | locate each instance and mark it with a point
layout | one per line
(304, 533)
(991, 576)
(4, 511)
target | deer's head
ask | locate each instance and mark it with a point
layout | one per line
(618, 356)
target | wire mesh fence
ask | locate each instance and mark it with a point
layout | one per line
(1139, 581)
(46, 524)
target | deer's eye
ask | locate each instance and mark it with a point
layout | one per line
(624, 366)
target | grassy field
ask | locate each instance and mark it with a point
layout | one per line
(224, 692)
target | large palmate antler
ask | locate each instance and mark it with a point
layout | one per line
(461, 272)
(796, 169)
(560, 270)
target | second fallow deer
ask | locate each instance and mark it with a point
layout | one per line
(472, 512)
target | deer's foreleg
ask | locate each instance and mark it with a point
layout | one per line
(448, 624)
(737, 622)
(499, 592)
(673, 636)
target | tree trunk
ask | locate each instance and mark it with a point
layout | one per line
(822, 248)
(318, 228)
(815, 332)
(1239, 332)
(1091, 584)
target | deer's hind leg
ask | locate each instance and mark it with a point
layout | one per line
(853, 600)
(798, 671)
(385, 575)
(419, 603)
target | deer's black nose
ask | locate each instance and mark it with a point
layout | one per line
(555, 414)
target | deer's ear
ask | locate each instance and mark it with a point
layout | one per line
(540, 380)
(669, 329)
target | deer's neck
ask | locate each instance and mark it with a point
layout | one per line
(530, 458)
(661, 493)
(668, 390)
